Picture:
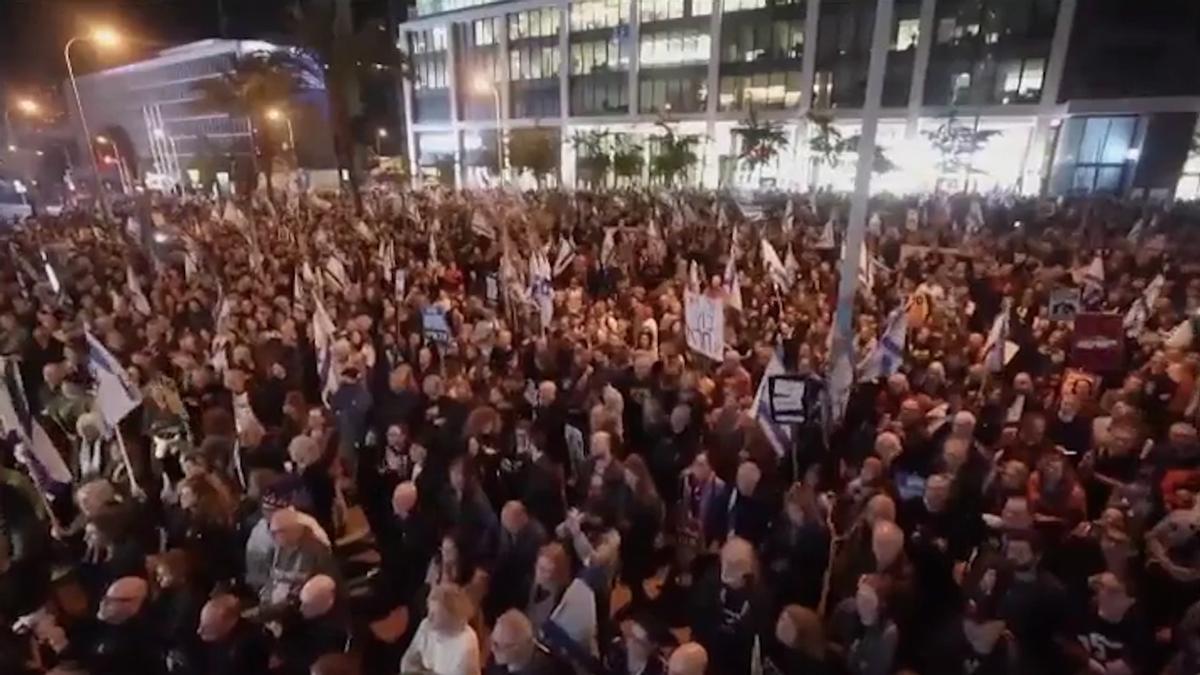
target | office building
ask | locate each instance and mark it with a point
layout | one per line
(571, 66)
(157, 132)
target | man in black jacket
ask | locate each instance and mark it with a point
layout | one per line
(122, 641)
(229, 645)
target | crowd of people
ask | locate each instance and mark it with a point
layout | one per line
(452, 432)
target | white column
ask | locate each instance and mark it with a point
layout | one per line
(564, 65)
(710, 172)
(406, 92)
(857, 223)
(452, 84)
(1058, 52)
(635, 55)
(808, 70)
(916, 90)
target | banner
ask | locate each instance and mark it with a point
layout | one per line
(1064, 304)
(1098, 344)
(436, 327)
(705, 322)
(787, 395)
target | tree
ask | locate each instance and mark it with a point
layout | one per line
(956, 144)
(761, 141)
(628, 159)
(535, 151)
(325, 30)
(258, 81)
(594, 161)
(826, 145)
(882, 163)
(676, 154)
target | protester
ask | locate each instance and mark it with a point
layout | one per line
(442, 429)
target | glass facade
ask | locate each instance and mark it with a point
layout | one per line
(1092, 154)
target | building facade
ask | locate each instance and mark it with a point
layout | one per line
(157, 132)
(624, 66)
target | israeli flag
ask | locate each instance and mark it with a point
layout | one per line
(38, 454)
(779, 435)
(324, 334)
(888, 354)
(116, 397)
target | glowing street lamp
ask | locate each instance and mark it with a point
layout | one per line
(105, 38)
(380, 135)
(483, 85)
(276, 115)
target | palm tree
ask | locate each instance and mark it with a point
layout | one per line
(591, 148)
(825, 144)
(628, 159)
(258, 82)
(676, 154)
(761, 141)
(957, 144)
(325, 29)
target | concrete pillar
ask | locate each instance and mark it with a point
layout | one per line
(635, 54)
(808, 70)
(916, 90)
(1058, 52)
(857, 223)
(406, 95)
(453, 84)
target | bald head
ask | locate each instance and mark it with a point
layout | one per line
(514, 517)
(688, 659)
(880, 508)
(404, 498)
(317, 596)
(123, 600)
(512, 640)
(737, 562)
(218, 617)
(887, 541)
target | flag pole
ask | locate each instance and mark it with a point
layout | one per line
(133, 484)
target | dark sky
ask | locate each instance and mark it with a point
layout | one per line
(34, 31)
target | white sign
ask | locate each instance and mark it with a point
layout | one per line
(1064, 304)
(705, 321)
(436, 327)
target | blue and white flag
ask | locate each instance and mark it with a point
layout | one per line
(888, 354)
(779, 435)
(776, 270)
(140, 303)
(566, 255)
(1093, 283)
(116, 396)
(1139, 311)
(995, 350)
(43, 461)
(324, 333)
(789, 218)
(1136, 232)
(827, 241)
(540, 290)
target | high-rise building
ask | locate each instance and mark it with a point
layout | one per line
(156, 129)
(953, 68)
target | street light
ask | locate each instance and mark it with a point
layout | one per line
(482, 86)
(276, 115)
(107, 38)
(380, 135)
(122, 169)
(26, 106)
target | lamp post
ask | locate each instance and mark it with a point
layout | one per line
(484, 85)
(122, 169)
(276, 115)
(380, 135)
(102, 37)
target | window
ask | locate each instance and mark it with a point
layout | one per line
(597, 14)
(1095, 152)
(682, 94)
(670, 48)
(1019, 80)
(749, 41)
(907, 33)
(961, 87)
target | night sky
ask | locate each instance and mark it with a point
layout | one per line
(34, 31)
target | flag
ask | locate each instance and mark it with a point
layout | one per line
(433, 247)
(774, 266)
(1093, 283)
(887, 355)
(1136, 232)
(1181, 336)
(974, 217)
(40, 457)
(565, 256)
(336, 270)
(608, 248)
(875, 224)
(912, 220)
(790, 263)
(140, 303)
(223, 310)
(779, 435)
(540, 290)
(694, 281)
(731, 283)
(1139, 311)
(324, 332)
(789, 218)
(996, 348)
(116, 396)
(297, 288)
(482, 226)
(827, 241)
(841, 379)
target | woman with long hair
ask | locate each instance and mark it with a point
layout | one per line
(796, 552)
(444, 643)
(640, 524)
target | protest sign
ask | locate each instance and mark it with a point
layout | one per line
(1064, 304)
(787, 395)
(1098, 344)
(1080, 384)
(492, 294)
(705, 321)
(436, 327)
